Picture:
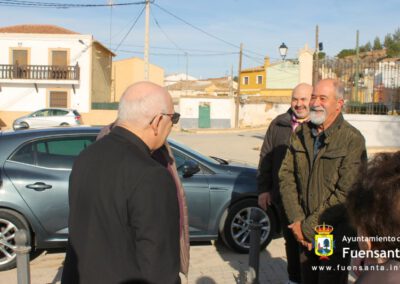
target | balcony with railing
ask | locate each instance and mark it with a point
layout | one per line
(39, 72)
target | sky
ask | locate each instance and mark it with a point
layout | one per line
(202, 37)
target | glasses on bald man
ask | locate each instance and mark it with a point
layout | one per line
(174, 117)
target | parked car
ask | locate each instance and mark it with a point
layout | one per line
(35, 166)
(49, 117)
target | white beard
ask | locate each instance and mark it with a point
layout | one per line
(319, 117)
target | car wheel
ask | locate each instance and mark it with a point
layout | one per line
(64, 124)
(236, 232)
(10, 223)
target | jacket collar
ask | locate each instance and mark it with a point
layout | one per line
(331, 129)
(124, 134)
(285, 118)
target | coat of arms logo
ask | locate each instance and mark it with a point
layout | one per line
(323, 246)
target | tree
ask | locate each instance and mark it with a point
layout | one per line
(396, 35)
(377, 44)
(368, 46)
(388, 41)
(346, 52)
(392, 44)
(321, 55)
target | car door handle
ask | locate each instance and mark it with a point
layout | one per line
(39, 186)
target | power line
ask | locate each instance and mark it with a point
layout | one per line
(254, 59)
(130, 29)
(181, 54)
(35, 4)
(168, 38)
(194, 27)
(173, 48)
(201, 30)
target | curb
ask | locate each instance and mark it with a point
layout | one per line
(220, 130)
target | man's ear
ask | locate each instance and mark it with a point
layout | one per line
(340, 103)
(155, 124)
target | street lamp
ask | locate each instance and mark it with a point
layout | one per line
(283, 50)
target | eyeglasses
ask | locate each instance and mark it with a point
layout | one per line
(174, 117)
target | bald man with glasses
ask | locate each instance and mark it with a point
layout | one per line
(125, 217)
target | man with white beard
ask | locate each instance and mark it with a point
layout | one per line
(320, 167)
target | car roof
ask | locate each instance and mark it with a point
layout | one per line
(9, 139)
(55, 108)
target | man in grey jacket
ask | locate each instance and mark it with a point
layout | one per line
(272, 153)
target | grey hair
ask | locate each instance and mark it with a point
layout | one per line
(339, 89)
(141, 110)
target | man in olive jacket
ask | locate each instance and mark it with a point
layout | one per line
(319, 169)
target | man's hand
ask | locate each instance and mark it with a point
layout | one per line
(298, 234)
(296, 230)
(307, 245)
(264, 200)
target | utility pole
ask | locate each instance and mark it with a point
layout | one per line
(187, 66)
(357, 75)
(316, 61)
(110, 3)
(146, 42)
(231, 92)
(238, 88)
(187, 70)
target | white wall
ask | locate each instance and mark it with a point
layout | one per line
(21, 94)
(378, 130)
(221, 110)
(259, 114)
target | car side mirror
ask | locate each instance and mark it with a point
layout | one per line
(189, 168)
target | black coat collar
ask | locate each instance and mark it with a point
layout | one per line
(125, 134)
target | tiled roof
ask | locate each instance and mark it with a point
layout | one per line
(258, 68)
(189, 85)
(36, 29)
(220, 84)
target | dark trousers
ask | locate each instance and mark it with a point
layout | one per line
(331, 271)
(292, 248)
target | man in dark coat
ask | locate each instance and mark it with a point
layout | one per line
(124, 212)
(272, 153)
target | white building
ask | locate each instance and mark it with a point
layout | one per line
(177, 77)
(49, 66)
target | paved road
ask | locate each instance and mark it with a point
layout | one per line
(241, 146)
(210, 263)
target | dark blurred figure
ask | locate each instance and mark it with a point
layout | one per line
(374, 208)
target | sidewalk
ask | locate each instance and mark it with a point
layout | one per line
(210, 263)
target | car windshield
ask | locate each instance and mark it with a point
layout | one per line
(194, 152)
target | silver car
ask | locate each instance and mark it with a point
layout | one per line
(34, 171)
(49, 117)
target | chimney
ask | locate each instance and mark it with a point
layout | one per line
(266, 62)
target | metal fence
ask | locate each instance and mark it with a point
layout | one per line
(39, 72)
(371, 87)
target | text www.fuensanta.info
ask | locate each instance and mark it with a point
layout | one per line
(375, 267)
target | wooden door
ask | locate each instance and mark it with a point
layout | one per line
(58, 99)
(20, 62)
(59, 62)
